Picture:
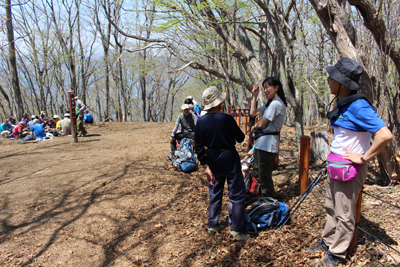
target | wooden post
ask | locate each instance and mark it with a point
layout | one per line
(304, 163)
(223, 108)
(72, 113)
(238, 118)
(353, 242)
(245, 125)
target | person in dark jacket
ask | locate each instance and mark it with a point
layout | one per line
(219, 133)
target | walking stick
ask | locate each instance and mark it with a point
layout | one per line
(301, 199)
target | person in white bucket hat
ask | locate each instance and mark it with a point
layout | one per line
(187, 122)
(219, 133)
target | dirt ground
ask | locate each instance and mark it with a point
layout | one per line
(112, 200)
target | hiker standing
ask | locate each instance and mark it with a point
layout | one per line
(219, 133)
(79, 108)
(187, 121)
(267, 143)
(354, 121)
(189, 102)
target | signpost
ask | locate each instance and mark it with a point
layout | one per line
(72, 113)
(238, 113)
(247, 100)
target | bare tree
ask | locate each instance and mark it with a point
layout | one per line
(12, 60)
(344, 36)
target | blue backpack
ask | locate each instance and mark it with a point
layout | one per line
(263, 213)
(184, 158)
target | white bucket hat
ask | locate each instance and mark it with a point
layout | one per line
(185, 106)
(212, 97)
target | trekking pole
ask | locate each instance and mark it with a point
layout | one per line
(301, 199)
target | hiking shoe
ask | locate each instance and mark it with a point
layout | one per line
(239, 236)
(320, 247)
(330, 261)
(216, 229)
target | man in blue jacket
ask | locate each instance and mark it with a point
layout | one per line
(219, 133)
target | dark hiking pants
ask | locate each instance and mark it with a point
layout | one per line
(262, 171)
(237, 196)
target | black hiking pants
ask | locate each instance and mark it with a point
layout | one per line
(262, 171)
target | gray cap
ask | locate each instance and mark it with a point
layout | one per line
(347, 72)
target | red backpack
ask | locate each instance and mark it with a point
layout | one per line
(252, 185)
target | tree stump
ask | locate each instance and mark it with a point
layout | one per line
(319, 146)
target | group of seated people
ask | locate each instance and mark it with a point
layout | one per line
(39, 127)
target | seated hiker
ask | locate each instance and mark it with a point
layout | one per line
(5, 128)
(21, 130)
(65, 125)
(12, 121)
(55, 126)
(25, 117)
(87, 118)
(49, 124)
(42, 117)
(38, 130)
(187, 121)
(31, 123)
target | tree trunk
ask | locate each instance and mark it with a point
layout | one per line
(13, 62)
(342, 33)
(319, 146)
(6, 98)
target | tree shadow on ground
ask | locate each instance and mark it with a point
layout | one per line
(372, 231)
(73, 205)
(34, 220)
(90, 135)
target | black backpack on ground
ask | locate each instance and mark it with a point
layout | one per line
(262, 213)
